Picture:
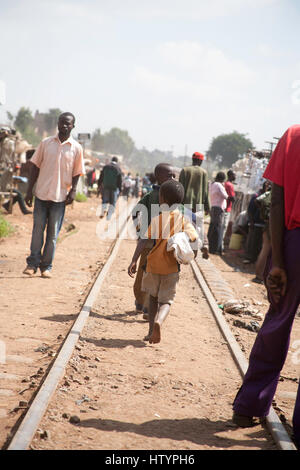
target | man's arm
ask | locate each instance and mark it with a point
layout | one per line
(277, 278)
(119, 182)
(222, 191)
(231, 193)
(205, 189)
(72, 193)
(182, 178)
(100, 181)
(34, 173)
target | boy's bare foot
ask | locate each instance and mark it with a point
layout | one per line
(155, 337)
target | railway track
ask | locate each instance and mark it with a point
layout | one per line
(25, 429)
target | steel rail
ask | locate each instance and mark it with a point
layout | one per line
(274, 424)
(25, 433)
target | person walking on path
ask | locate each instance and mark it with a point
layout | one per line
(282, 278)
(218, 201)
(231, 195)
(145, 210)
(110, 186)
(162, 269)
(56, 167)
(195, 183)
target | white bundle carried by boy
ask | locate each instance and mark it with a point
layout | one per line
(181, 245)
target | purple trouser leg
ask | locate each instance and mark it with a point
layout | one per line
(272, 342)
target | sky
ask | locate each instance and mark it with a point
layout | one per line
(174, 74)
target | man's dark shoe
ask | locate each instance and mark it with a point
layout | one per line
(243, 421)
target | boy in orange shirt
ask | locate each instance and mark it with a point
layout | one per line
(162, 269)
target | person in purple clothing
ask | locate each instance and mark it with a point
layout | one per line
(282, 279)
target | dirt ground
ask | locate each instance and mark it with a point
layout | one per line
(131, 395)
(125, 393)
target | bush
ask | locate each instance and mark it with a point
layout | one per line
(6, 228)
(80, 197)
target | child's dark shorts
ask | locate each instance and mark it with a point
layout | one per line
(162, 286)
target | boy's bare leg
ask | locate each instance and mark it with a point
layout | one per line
(153, 307)
(160, 317)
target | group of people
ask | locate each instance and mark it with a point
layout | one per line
(155, 282)
(172, 236)
(131, 186)
(221, 193)
(253, 225)
(170, 233)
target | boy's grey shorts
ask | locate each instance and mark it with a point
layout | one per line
(162, 286)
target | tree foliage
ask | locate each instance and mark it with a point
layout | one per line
(229, 147)
(118, 141)
(144, 161)
(24, 123)
(97, 141)
(51, 118)
(23, 119)
(115, 141)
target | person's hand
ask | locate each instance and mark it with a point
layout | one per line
(29, 198)
(277, 282)
(205, 254)
(132, 269)
(71, 196)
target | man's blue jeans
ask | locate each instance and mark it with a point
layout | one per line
(50, 214)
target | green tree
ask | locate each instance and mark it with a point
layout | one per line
(31, 136)
(144, 161)
(97, 141)
(24, 119)
(51, 119)
(118, 141)
(229, 147)
(10, 117)
(24, 123)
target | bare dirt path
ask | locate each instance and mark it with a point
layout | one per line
(129, 395)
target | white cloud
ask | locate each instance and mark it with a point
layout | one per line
(268, 52)
(205, 62)
(193, 71)
(170, 85)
